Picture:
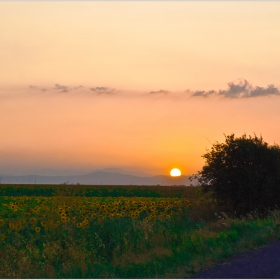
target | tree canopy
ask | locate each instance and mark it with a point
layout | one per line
(243, 174)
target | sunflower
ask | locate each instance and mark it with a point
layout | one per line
(11, 225)
(2, 236)
(33, 221)
(135, 215)
(18, 226)
(2, 222)
(37, 229)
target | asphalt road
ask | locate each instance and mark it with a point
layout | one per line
(262, 263)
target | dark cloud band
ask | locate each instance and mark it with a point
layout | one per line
(102, 90)
(241, 89)
(160, 92)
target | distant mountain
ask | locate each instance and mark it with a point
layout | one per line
(122, 171)
(71, 172)
(97, 178)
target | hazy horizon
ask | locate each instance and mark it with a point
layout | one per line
(142, 86)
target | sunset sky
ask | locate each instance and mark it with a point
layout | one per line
(143, 86)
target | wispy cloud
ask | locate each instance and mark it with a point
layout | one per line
(235, 90)
(160, 92)
(61, 88)
(102, 90)
(241, 89)
(37, 88)
(203, 93)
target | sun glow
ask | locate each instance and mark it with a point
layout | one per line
(175, 172)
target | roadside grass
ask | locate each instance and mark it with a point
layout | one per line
(165, 246)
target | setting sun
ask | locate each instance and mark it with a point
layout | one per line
(175, 172)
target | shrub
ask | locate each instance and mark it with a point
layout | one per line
(243, 174)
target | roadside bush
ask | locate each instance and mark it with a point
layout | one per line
(243, 175)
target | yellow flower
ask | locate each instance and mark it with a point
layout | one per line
(2, 222)
(33, 221)
(2, 236)
(37, 229)
(11, 225)
(18, 226)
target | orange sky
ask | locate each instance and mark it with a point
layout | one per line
(143, 67)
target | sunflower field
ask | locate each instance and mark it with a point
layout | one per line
(64, 233)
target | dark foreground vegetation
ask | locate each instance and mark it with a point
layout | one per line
(143, 232)
(122, 237)
(93, 191)
(243, 175)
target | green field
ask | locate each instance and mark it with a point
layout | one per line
(49, 231)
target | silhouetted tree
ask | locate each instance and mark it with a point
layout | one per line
(243, 174)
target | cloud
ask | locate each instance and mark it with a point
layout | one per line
(269, 90)
(102, 90)
(61, 88)
(241, 89)
(203, 93)
(35, 87)
(160, 92)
